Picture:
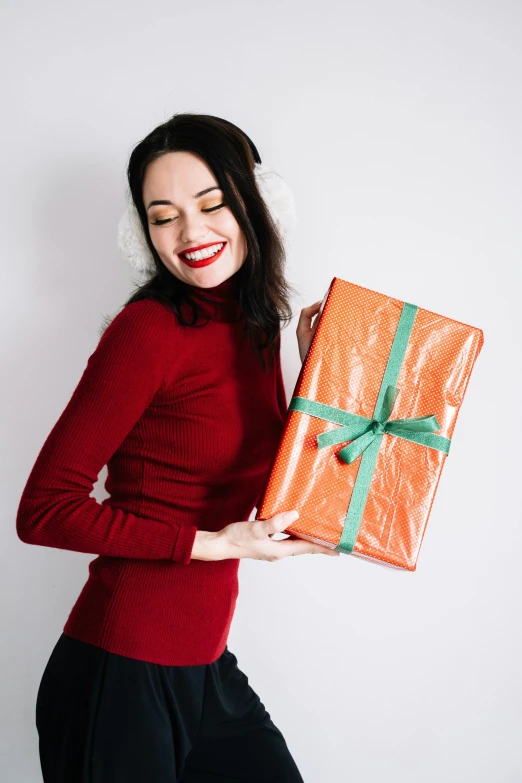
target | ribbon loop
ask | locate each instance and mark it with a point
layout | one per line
(418, 424)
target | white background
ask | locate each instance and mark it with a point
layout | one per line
(398, 126)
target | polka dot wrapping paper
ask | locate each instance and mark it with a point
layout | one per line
(369, 348)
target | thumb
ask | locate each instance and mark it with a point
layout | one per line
(282, 520)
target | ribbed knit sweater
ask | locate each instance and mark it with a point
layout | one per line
(188, 424)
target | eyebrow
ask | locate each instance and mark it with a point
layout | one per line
(196, 195)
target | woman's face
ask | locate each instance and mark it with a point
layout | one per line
(181, 220)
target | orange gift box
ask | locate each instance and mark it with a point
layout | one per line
(370, 423)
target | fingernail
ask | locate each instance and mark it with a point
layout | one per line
(290, 516)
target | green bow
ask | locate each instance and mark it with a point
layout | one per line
(362, 431)
(418, 429)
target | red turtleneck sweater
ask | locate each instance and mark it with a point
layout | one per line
(188, 424)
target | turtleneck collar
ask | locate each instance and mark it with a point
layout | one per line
(224, 300)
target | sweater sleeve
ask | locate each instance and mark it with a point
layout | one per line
(129, 366)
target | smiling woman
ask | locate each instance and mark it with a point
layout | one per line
(194, 182)
(141, 684)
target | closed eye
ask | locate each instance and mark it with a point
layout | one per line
(213, 209)
(161, 222)
(168, 220)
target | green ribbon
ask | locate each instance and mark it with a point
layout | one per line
(366, 434)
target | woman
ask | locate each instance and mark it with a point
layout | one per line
(186, 413)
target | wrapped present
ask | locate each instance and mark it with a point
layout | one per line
(370, 423)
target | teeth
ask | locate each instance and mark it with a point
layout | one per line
(206, 253)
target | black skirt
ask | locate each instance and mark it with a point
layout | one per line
(106, 718)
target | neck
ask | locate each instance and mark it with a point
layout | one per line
(219, 302)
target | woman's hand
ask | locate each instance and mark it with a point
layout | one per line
(253, 539)
(305, 331)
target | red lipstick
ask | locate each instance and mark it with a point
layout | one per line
(203, 261)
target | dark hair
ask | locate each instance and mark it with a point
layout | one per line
(231, 155)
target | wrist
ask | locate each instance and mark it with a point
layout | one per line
(206, 546)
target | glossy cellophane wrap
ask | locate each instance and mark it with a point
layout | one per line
(344, 367)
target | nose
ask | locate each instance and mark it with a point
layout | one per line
(194, 229)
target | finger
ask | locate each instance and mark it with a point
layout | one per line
(277, 523)
(304, 324)
(298, 546)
